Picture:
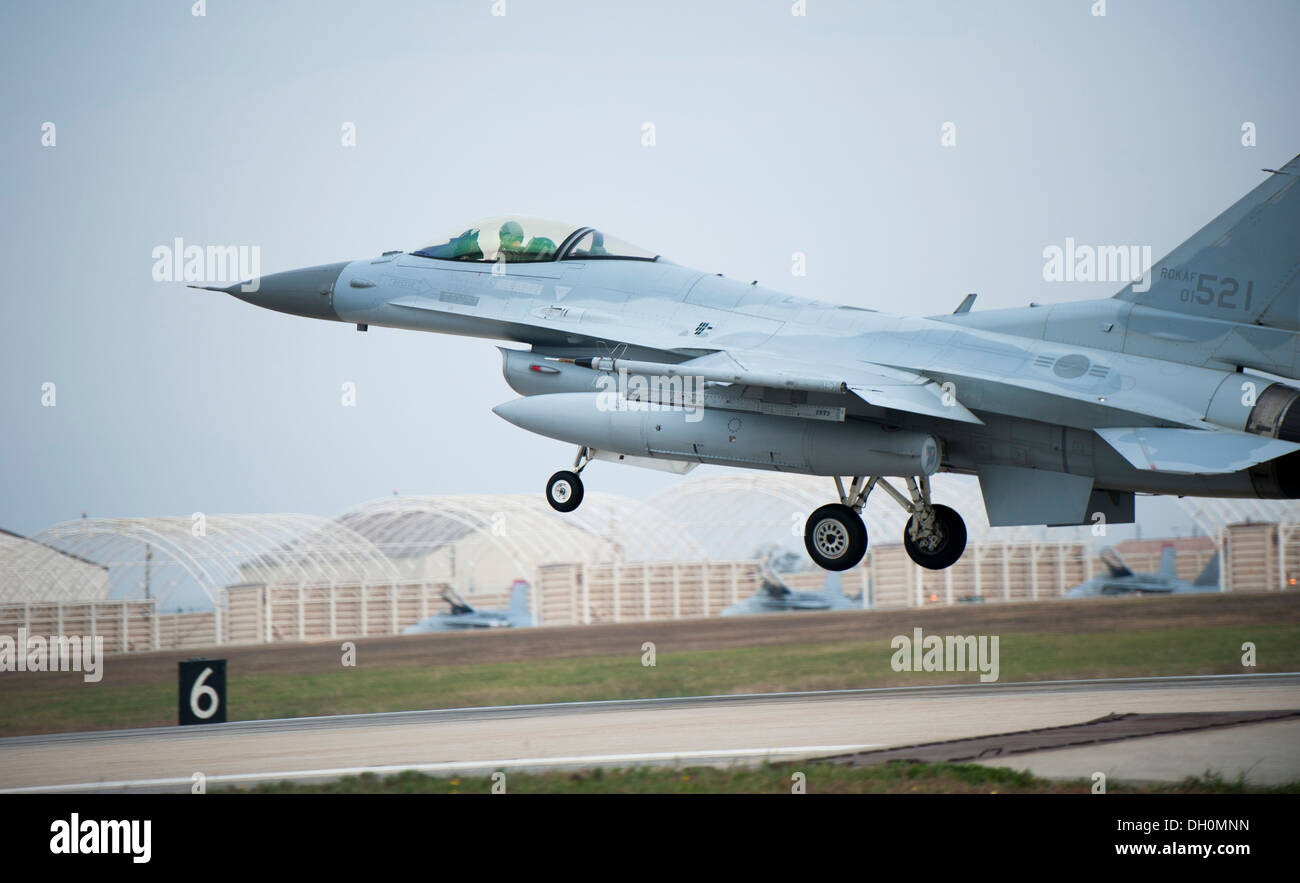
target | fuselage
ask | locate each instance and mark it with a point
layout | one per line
(669, 312)
(450, 622)
(1039, 400)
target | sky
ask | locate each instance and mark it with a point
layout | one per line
(774, 133)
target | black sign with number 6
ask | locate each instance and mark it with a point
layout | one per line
(203, 691)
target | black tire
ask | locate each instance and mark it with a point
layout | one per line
(952, 540)
(564, 491)
(835, 537)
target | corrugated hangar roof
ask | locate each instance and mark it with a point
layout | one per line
(163, 556)
(728, 516)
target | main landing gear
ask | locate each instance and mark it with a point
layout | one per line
(564, 490)
(836, 538)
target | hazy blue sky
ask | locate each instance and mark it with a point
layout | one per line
(774, 134)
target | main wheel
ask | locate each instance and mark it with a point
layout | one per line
(941, 548)
(564, 491)
(835, 537)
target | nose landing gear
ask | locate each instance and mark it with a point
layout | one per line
(564, 490)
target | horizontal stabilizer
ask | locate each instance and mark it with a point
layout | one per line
(1193, 451)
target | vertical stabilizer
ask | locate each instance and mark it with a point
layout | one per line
(1244, 266)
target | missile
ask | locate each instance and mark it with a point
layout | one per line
(608, 422)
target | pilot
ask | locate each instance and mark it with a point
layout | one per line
(511, 236)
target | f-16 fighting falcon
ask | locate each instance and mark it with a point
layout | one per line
(1064, 411)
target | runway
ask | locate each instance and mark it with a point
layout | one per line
(691, 730)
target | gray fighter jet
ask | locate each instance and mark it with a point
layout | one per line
(1064, 412)
(1120, 580)
(774, 596)
(462, 616)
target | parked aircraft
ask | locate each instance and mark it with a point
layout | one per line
(1121, 580)
(463, 616)
(774, 596)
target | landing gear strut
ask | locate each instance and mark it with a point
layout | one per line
(935, 536)
(564, 490)
(941, 545)
(836, 538)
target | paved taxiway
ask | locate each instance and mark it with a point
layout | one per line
(1263, 754)
(715, 729)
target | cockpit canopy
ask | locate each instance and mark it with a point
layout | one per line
(520, 240)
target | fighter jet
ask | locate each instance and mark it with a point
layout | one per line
(774, 596)
(1120, 580)
(462, 616)
(1064, 412)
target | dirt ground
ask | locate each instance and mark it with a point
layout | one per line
(522, 645)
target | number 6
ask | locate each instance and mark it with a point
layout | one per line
(199, 690)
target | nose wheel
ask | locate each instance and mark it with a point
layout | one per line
(564, 490)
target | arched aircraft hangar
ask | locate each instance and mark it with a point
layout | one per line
(687, 551)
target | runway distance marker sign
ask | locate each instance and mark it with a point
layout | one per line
(202, 691)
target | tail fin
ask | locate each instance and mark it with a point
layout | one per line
(1168, 568)
(833, 586)
(1210, 575)
(1243, 267)
(519, 601)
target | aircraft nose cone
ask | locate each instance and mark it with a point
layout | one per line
(306, 292)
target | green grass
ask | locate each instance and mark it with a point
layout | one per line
(819, 778)
(1028, 656)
